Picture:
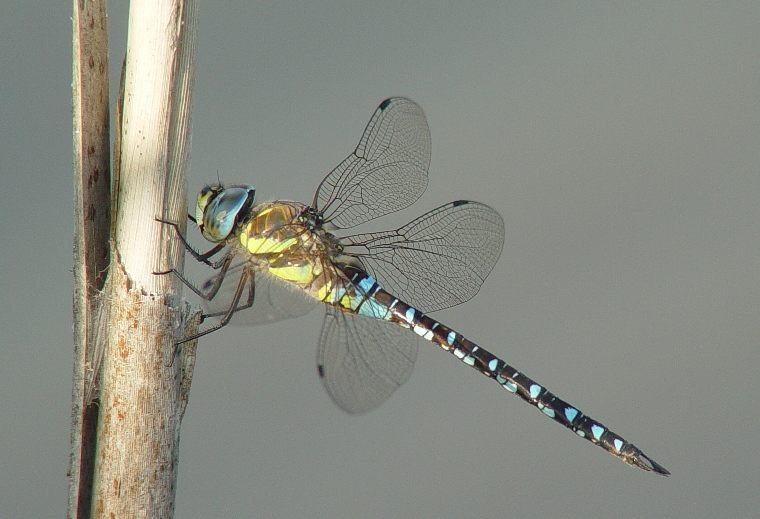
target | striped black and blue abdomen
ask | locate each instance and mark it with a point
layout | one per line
(364, 296)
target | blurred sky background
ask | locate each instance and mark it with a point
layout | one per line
(619, 140)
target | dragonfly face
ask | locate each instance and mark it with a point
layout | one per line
(218, 209)
(378, 287)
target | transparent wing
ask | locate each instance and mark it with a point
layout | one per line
(437, 260)
(362, 360)
(387, 171)
(274, 300)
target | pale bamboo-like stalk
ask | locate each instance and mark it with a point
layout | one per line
(91, 227)
(141, 400)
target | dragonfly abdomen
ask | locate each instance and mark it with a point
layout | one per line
(369, 299)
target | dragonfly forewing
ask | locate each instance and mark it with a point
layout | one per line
(387, 171)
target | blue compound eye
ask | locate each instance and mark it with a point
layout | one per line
(218, 209)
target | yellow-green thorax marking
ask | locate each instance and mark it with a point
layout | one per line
(278, 240)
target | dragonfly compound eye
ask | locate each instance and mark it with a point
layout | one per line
(219, 209)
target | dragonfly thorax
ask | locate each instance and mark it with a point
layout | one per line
(279, 228)
(311, 218)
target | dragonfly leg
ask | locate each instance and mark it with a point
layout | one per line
(244, 278)
(214, 288)
(247, 304)
(202, 257)
(211, 292)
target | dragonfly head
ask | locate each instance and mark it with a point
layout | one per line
(219, 209)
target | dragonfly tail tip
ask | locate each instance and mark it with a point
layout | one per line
(650, 465)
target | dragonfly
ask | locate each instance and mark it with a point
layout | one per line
(279, 259)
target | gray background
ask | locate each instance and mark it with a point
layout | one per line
(621, 143)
